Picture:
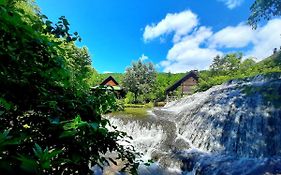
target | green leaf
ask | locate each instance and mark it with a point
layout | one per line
(37, 150)
(54, 153)
(68, 134)
(94, 125)
(7, 105)
(28, 164)
(46, 165)
(103, 131)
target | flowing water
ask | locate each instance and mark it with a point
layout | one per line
(234, 128)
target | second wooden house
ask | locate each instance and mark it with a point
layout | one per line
(186, 84)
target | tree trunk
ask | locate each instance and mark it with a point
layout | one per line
(135, 100)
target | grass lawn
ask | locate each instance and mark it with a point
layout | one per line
(132, 112)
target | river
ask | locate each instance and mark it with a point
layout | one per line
(234, 128)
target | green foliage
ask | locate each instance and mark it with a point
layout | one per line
(42, 162)
(139, 78)
(50, 120)
(129, 98)
(226, 64)
(264, 9)
(163, 81)
(120, 105)
(269, 92)
(232, 67)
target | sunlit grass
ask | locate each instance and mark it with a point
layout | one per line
(132, 113)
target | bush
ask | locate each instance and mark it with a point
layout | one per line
(221, 72)
(50, 121)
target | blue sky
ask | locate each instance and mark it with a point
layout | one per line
(176, 35)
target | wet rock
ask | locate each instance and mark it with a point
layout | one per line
(241, 117)
(180, 145)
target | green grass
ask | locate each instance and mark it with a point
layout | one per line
(132, 113)
(134, 106)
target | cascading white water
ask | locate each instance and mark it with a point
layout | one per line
(148, 137)
(234, 128)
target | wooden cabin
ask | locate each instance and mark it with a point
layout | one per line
(110, 81)
(111, 84)
(185, 84)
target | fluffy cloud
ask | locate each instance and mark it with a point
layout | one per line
(231, 4)
(265, 39)
(196, 47)
(178, 23)
(143, 57)
(187, 54)
(262, 40)
(233, 37)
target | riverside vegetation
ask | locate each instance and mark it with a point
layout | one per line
(50, 120)
(223, 69)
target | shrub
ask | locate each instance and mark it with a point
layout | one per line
(50, 121)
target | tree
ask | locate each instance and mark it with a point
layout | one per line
(139, 78)
(226, 64)
(264, 9)
(51, 122)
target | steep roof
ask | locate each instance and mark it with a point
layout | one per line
(193, 73)
(108, 79)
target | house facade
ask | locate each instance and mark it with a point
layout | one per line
(186, 84)
(111, 84)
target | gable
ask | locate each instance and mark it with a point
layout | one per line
(110, 81)
(189, 79)
(190, 82)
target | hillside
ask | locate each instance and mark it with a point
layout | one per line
(241, 69)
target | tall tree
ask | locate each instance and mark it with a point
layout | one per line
(139, 78)
(264, 9)
(227, 63)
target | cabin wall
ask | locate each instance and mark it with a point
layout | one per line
(110, 83)
(188, 84)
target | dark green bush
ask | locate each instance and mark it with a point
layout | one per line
(50, 120)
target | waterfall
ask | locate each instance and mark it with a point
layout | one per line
(234, 128)
(148, 136)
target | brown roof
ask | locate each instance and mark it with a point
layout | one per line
(110, 78)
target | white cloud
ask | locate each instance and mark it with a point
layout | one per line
(178, 23)
(233, 37)
(263, 40)
(187, 54)
(231, 4)
(198, 45)
(143, 57)
(266, 39)
(107, 72)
